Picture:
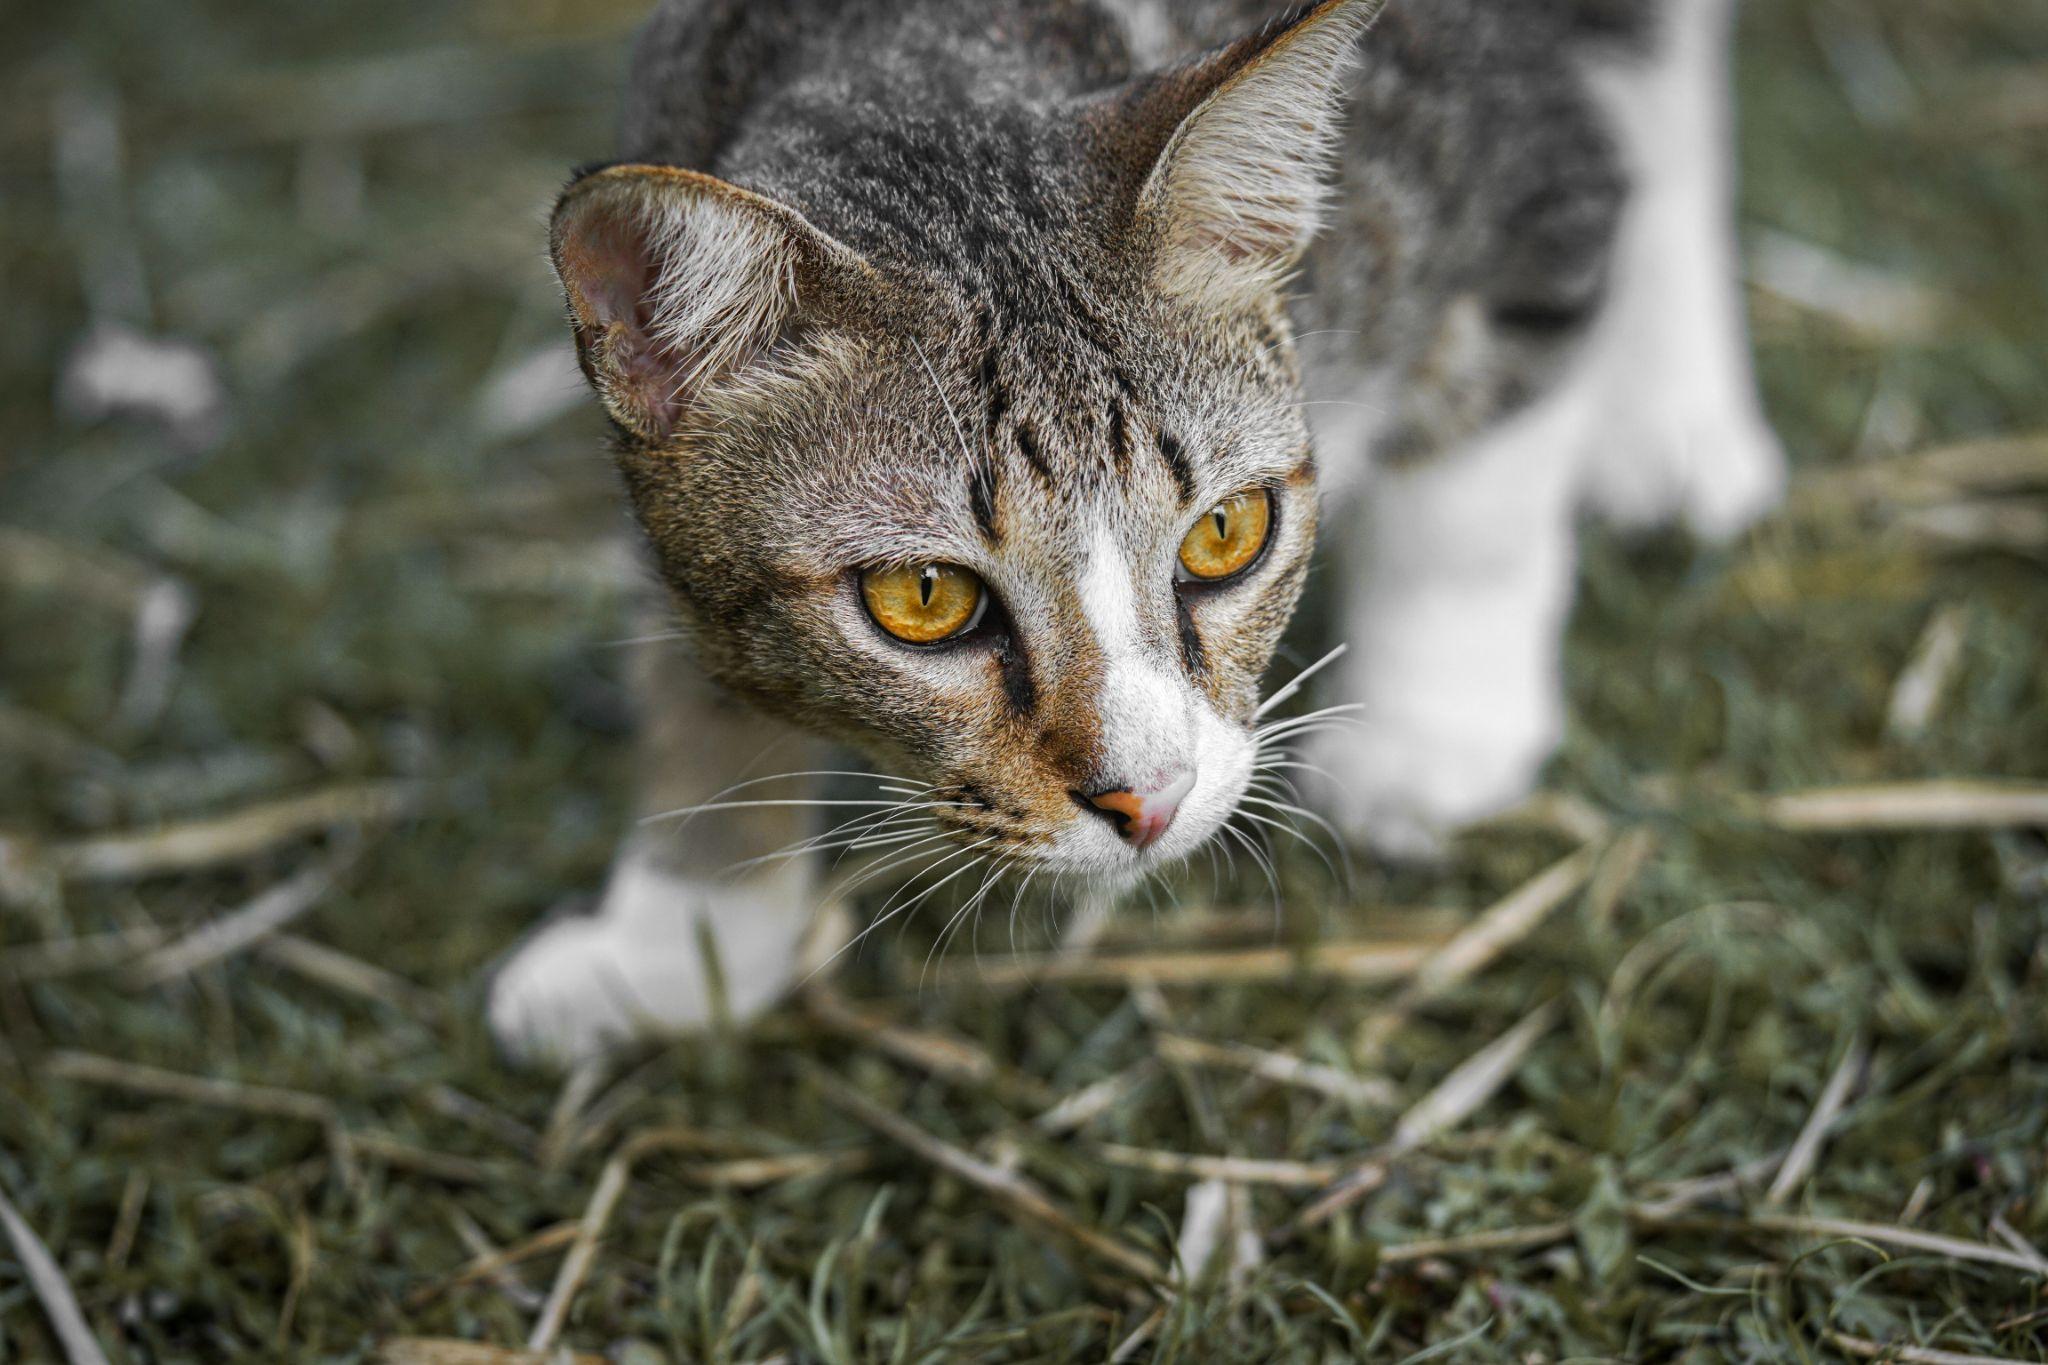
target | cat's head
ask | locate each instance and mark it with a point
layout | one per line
(998, 472)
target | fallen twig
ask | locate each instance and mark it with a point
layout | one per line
(1501, 926)
(60, 1305)
(1369, 960)
(1909, 1355)
(1918, 691)
(1018, 1195)
(177, 1085)
(1799, 1161)
(487, 1265)
(232, 838)
(944, 1055)
(449, 1351)
(269, 912)
(1235, 1169)
(1456, 1097)
(1939, 804)
(84, 953)
(338, 971)
(1278, 1067)
(1091, 1101)
(597, 1214)
(1802, 1225)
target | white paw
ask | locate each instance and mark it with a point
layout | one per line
(1717, 475)
(637, 967)
(1403, 788)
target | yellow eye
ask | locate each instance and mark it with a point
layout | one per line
(1228, 537)
(923, 603)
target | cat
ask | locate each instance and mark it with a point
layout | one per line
(959, 358)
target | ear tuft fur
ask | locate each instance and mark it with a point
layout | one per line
(1238, 190)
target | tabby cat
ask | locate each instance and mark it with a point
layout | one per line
(977, 370)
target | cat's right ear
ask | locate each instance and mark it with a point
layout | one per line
(678, 281)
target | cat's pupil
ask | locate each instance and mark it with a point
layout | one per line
(1222, 520)
(926, 583)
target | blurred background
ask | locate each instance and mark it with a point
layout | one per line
(311, 589)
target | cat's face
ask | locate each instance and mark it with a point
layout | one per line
(1020, 506)
(1023, 573)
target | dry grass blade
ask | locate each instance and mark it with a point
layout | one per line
(503, 1278)
(456, 1170)
(86, 953)
(1368, 960)
(60, 1305)
(1019, 1196)
(1956, 804)
(1616, 873)
(338, 971)
(1498, 928)
(177, 1085)
(1473, 1082)
(487, 1265)
(449, 1351)
(2010, 1235)
(1801, 1225)
(1456, 1097)
(597, 1215)
(1910, 1355)
(752, 1172)
(1278, 1067)
(1917, 693)
(1478, 1243)
(1094, 1100)
(1941, 474)
(944, 1055)
(473, 1113)
(1238, 1170)
(269, 912)
(233, 838)
(1799, 1161)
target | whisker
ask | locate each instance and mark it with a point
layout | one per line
(945, 402)
(882, 919)
(710, 806)
(1258, 855)
(1294, 833)
(1265, 351)
(1343, 709)
(1299, 679)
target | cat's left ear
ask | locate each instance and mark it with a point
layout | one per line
(1235, 149)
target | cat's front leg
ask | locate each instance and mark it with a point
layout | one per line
(1683, 436)
(680, 886)
(1453, 602)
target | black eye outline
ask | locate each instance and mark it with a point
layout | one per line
(985, 621)
(1188, 583)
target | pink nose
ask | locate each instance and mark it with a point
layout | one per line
(1140, 817)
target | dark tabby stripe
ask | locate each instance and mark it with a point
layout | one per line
(1176, 457)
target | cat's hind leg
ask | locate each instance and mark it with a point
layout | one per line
(1682, 437)
(678, 891)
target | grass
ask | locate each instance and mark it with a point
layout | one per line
(292, 1147)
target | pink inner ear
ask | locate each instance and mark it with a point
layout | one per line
(606, 262)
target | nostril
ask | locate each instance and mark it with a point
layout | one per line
(1138, 818)
(1120, 806)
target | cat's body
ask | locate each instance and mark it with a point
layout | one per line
(990, 296)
